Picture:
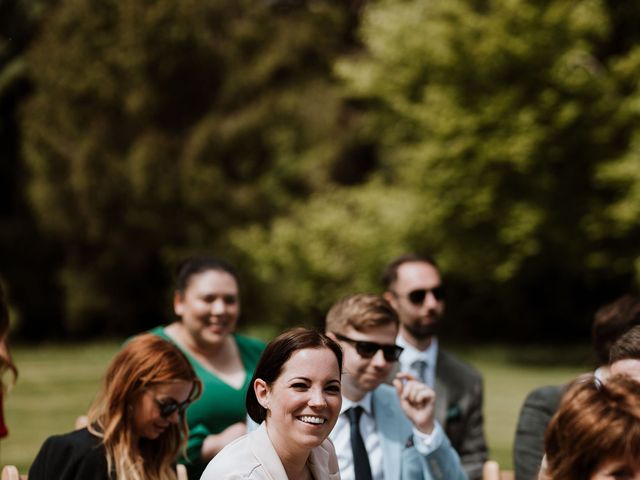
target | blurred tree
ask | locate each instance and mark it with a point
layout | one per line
(335, 244)
(157, 127)
(27, 259)
(511, 119)
(509, 129)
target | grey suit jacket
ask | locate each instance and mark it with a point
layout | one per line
(459, 399)
(400, 459)
(535, 414)
(252, 457)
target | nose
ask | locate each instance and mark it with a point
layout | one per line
(317, 398)
(430, 300)
(378, 359)
(218, 307)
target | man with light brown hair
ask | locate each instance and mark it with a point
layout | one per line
(383, 432)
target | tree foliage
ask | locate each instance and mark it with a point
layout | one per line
(156, 127)
(500, 136)
(514, 125)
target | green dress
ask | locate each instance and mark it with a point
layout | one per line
(220, 405)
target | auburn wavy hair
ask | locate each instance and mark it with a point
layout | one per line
(144, 361)
(6, 362)
(596, 422)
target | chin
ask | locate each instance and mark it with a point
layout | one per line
(313, 441)
(215, 338)
(369, 385)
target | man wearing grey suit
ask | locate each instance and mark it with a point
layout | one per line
(413, 286)
(383, 432)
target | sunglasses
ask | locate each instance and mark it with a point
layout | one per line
(417, 296)
(391, 353)
(170, 406)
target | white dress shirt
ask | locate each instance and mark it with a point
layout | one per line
(341, 438)
(410, 354)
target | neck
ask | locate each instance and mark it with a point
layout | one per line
(294, 460)
(350, 392)
(420, 344)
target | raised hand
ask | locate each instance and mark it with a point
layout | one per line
(417, 400)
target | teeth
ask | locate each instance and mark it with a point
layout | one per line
(314, 420)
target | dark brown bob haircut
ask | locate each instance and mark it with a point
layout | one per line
(277, 354)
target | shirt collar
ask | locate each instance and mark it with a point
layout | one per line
(411, 353)
(365, 402)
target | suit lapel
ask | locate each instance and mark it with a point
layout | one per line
(442, 400)
(442, 390)
(390, 443)
(263, 450)
(323, 462)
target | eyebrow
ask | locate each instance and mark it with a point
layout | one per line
(169, 398)
(337, 380)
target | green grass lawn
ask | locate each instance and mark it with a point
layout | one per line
(509, 375)
(58, 383)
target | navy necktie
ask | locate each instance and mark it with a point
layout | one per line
(361, 466)
(420, 368)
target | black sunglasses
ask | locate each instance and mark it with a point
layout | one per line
(391, 353)
(170, 406)
(417, 296)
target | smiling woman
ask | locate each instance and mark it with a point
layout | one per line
(136, 425)
(296, 398)
(207, 304)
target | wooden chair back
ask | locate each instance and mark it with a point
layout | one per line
(81, 422)
(491, 471)
(181, 470)
(10, 472)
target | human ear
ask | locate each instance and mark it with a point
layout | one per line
(261, 389)
(178, 303)
(390, 297)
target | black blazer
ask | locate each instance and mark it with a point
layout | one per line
(78, 455)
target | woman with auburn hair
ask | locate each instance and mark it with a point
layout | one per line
(595, 434)
(295, 396)
(137, 424)
(6, 362)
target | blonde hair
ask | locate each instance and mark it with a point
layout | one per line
(144, 361)
(360, 311)
(6, 362)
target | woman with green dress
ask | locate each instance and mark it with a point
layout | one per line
(207, 303)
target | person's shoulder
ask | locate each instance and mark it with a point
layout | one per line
(546, 396)
(159, 331)
(454, 366)
(76, 443)
(236, 458)
(249, 343)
